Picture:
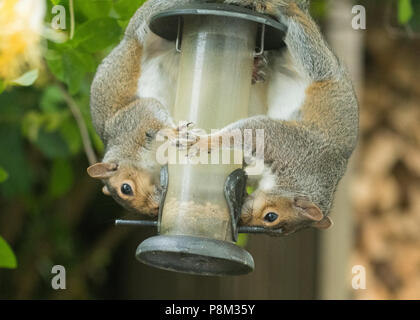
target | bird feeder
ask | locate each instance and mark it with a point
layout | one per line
(201, 203)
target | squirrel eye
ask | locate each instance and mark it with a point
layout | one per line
(271, 217)
(126, 189)
(149, 135)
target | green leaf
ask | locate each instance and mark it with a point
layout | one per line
(52, 145)
(2, 86)
(27, 79)
(61, 179)
(75, 66)
(405, 11)
(96, 140)
(70, 66)
(51, 99)
(31, 124)
(70, 133)
(319, 9)
(15, 161)
(94, 8)
(127, 8)
(242, 240)
(53, 120)
(3, 175)
(250, 190)
(55, 64)
(97, 143)
(97, 34)
(7, 257)
(55, 2)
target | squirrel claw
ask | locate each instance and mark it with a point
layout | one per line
(202, 145)
(184, 125)
(257, 5)
(259, 73)
(184, 136)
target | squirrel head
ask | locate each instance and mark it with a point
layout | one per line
(131, 187)
(273, 211)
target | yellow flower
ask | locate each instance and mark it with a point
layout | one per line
(21, 26)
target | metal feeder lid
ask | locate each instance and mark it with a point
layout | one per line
(195, 255)
(165, 23)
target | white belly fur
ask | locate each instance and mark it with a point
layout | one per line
(285, 97)
(159, 73)
(286, 91)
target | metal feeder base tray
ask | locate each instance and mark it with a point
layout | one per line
(195, 255)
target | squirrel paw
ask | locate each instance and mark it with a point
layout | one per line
(272, 7)
(202, 145)
(184, 136)
(260, 67)
(206, 144)
(257, 5)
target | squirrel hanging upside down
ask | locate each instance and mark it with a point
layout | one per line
(127, 118)
(311, 126)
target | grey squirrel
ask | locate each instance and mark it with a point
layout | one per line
(311, 123)
(126, 121)
(311, 127)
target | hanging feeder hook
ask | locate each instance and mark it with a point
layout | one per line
(178, 37)
(262, 44)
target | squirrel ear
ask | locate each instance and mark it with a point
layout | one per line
(102, 170)
(105, 191)
(310, 210)
(325, 223)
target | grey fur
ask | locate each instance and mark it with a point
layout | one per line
(309, 156)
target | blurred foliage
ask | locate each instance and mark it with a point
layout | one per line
(319, 8)
(409, 14)
(403, 17)
(27, 79)
(405, 11)
(44, 190)
(3, 175)
(7, 257)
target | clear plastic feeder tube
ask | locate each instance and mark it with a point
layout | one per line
(214, 83)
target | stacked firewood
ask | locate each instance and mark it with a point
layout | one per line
(386, 188)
